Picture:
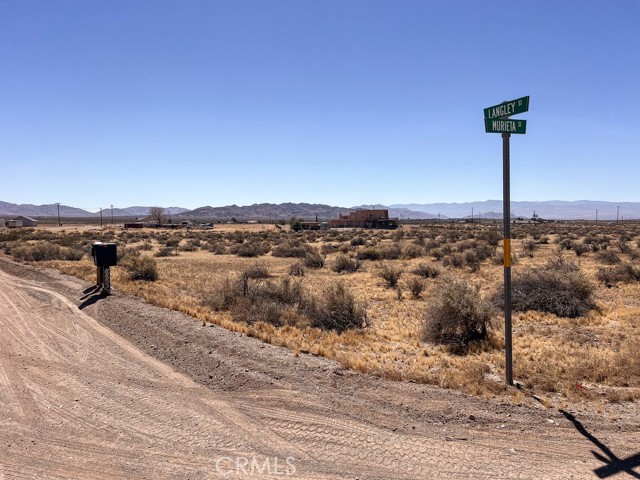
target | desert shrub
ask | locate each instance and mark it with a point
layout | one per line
(166, 252)
(42, 251)
(337, 309)
(344, 263)
(622, 273)
(492, 237)
(127, 253)
(390, 252)
(142, 268)
(390, 275)
(471, 259)
(328, 248)
(426, 270)
(565, 244)
(297, 269)
(293, 248)
(622, 245)
(559, 288)
(256, 271)
(223, 294)
(580, 248)
(252, 249)
(416, 286)
(280, 302)
(455, 260)
(528, 247)
(172, 242)
(146, 245)
(412, 251)
(456, 315)
(440, 252)
(369, 253)
(357, 241)
(216, 247)
(608, 257)
(314, 259)
(191, 245)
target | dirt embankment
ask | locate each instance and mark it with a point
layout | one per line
(94, 387)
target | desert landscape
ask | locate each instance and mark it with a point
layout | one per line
(342, 307)
(368, 299)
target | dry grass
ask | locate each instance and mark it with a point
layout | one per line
(595, 355)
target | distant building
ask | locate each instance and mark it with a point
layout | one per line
(365, 219)
(25, 221)
(3, 222)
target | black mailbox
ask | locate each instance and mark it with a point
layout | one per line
(104, 254)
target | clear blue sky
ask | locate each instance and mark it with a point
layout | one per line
(345, 102)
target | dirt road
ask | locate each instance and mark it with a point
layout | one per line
(95, 388)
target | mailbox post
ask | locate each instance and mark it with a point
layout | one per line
(104, 255)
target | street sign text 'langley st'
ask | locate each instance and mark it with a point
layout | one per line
(506, 109)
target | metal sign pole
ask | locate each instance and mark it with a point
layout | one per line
(506, 200)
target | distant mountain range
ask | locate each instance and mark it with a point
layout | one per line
(554, 210)
(12, 209)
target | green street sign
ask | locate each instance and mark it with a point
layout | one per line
(506, 109)
(505, 125)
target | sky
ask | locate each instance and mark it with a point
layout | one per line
(342, 102)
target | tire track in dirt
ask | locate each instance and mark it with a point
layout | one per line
(148, 403)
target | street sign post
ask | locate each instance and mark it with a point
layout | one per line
(496, 120)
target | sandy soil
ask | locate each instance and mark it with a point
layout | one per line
(94, 387)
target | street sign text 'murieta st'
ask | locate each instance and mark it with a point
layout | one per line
(505, 125)
(506, 109)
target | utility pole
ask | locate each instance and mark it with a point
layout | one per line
(596, 216)
(472, 214)
(112, 214)
(618, 214)
(58, 205)
(100, 217)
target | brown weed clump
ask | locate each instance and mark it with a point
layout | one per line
(559, 288)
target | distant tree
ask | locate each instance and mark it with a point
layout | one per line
(296, 225)
(157, 214)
